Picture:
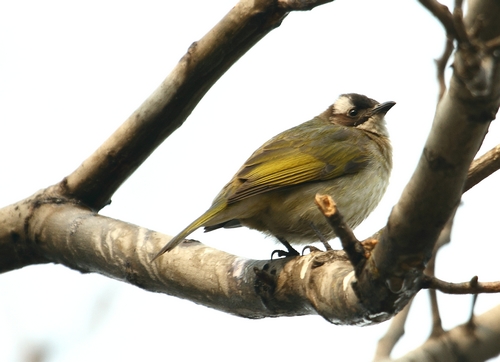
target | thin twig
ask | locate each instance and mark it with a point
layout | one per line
(470, 323)
(483, 167)
(353, 248)
(444, 15)
(441, 66)
(394, 333)
(444, 238)
(437, 327)
(493, 43)
(460, 288)
(458, 21)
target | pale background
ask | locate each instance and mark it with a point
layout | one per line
(72, 72)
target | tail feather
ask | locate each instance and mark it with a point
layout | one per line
(179, 238)
(231, 224)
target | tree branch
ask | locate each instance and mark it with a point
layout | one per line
(482, 167)
(471, 287)
(72, 236)
(444, 238)
(443, 14)
(396, 329)
(52, 226)
(460, 124)
(441, 66)
(353, 248)
(394, 333)
(458, 344)
(98, 177)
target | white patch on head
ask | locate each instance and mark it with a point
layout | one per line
(343, 105)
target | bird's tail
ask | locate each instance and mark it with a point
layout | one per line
(203, 219)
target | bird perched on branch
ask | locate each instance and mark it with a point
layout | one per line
(344, 152)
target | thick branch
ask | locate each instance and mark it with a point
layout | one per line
(461, 122)
(96, 180)
(462, 344)
(70, 235)
(396, 328)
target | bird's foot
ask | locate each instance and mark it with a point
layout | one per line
(321, 237)
(283, 253)
(290, 250)
(311, 248)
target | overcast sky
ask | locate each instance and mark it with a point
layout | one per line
(72, 72)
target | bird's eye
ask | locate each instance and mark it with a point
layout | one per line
(353, 112)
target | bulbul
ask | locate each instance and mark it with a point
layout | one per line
(344, 152)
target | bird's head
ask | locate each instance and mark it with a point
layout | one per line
(357, 110)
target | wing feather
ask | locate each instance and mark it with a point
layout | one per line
(312, 152)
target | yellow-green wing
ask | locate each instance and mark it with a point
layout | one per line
(314, 151)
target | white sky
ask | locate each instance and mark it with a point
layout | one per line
(72, 72)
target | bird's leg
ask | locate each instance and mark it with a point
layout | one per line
(291, 251)
(321, 237)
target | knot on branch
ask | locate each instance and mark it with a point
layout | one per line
(265, 283)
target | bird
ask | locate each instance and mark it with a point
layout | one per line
(344, 152)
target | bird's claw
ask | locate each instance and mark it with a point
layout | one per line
(311, 248)
(283, 253)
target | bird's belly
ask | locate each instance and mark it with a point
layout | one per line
(356, 197)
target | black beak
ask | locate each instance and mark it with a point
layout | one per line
(383, 107)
